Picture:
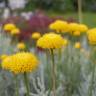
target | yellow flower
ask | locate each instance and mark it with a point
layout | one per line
(20, 63)
(36, 35)
(77, 45)
(92, 36)
(83, 28)
(50, 41)
(15, 31)
(3, 56)
(76, 33)
(59, 26)
(73, 27)
(9, 27)
(21, 45)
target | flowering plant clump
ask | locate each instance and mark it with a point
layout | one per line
(20, 62)
(67, 61)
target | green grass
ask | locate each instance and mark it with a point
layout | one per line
(88, 17)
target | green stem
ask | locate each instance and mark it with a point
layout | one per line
(60, 55)
(92, 82)
(53, 69)
(80, 11)
(26, 81)
(46, 57)
(16, 86)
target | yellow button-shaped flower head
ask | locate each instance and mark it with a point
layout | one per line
(73, 27)
(21, 45)
(15, 31)
(92, 36)
(20, 62)
(77, 45)
(50, 41)
(83, 28)
(36, 35)
(59, 26)
(8, 27)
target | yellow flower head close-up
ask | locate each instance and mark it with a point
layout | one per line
(20, 62)
(15, 31)
(50, 41)
(36, 35)
(8, 27)
(92, 36)
(59, 26)
(21, 45)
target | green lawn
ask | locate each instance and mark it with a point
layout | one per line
(88, 18)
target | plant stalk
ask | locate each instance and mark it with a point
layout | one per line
(53, 69)
(26, 81)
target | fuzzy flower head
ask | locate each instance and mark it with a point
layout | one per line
(8, 27)
(77, 45)
(83, 28)
(59, 26)
(15, 31)
(75, 27)
(92, 36)
(20, 63)
(21, 46)
(50, 41)
(36, 35)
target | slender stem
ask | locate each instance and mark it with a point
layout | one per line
(92, 82)
(60, 55)
(26, 81)
(53, 69)
(16, 86)
(46, 57)
(80, 11)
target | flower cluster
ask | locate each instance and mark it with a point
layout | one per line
(12, 29)
(73, 28)
(20, 62)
